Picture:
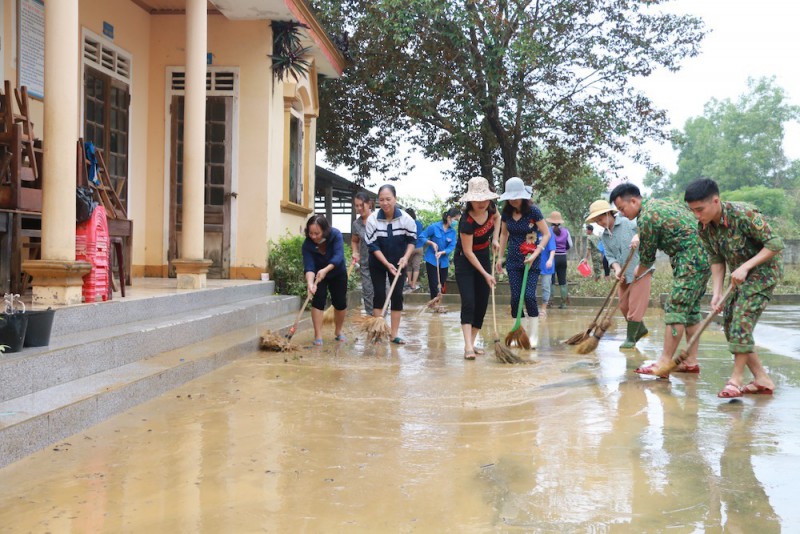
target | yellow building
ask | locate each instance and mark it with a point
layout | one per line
(211, 155)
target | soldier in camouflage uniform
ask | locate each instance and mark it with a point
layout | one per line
(593, 249)
(737, 236)
(669, 226)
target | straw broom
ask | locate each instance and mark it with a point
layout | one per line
(270, 341)
(376, 327)
(678, 359)
(518, 336)
(329, 317)
(589, 344)
(582, 336)
(501, 352)
(433, 304)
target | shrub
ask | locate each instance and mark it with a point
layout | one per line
(286, 264)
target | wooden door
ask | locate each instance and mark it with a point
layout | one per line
(219, 112)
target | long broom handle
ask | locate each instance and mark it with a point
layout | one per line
(703, 324)
(391, 290)
(614, 285)
(518, 322)
(293, 329)
(612, 311)
(494, 311)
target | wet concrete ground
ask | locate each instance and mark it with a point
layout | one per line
(351, 438)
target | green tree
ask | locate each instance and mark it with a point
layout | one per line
(428, 211)
(484, 83)
(573, 199)
(738, 144)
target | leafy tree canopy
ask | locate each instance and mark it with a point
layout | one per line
(529, 88)
(738, 144)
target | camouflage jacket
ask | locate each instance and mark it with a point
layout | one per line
(739, 235)
(670, 227)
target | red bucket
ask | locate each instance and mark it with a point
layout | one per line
(584, 269)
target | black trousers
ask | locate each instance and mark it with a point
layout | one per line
(473, 289)
(433, 282)
(337, 286)
(561, 269)
(379, 275)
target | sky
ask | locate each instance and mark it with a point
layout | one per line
(747, 39)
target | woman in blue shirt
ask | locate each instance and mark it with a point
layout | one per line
(547, 262)
(324, 265)
(441, 240)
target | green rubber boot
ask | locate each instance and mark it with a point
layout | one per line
(642, 331)
(630, 339)
(564, 297)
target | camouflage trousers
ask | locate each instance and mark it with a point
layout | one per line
(689, 280)
(742, 311)
(367, 291)
(597, 264)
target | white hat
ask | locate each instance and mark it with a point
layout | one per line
(478, 190)
(517, 190)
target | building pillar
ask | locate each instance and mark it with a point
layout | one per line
(191, 267)
(57, 277)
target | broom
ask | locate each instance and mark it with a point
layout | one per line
(675, 361)
(433, 304)
(270, 341)
(589, 344)
(329, 317)
(518, 335)
(501, 352)
(376, 327)
(581, 336)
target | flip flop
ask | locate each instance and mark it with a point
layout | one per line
(755, 389)
(469, 355)
(480, 352)
(649, 370)
(730, 391)
(317, 342)
(683, 368)
(341, 338)
(398, 341)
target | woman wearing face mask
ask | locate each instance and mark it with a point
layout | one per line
(358, 244)
(324, 265)
(563, 244)
(391, 236)
(441, 240)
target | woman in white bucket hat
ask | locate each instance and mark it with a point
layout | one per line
(477, 234)
(521, 222)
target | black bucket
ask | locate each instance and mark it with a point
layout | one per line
(40, 323)
(12, 331)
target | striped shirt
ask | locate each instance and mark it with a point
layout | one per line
(390, 236)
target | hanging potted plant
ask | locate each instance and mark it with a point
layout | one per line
(288, 53)
(13, 324)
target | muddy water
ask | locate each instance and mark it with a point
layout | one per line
(415, 439)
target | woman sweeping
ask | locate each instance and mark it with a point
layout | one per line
(358, 244)
(441, 240)
(476, 236)
(324, 265)
(391, 236)
(563, 244)
(521, 221)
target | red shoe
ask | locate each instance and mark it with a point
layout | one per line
(730, 391)
(755, 389)
(683, 368)
(649, 370)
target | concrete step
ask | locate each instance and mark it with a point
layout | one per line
(37, 420)
(76, 319)
(75, 355)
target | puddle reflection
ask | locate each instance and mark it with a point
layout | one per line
(355, 437)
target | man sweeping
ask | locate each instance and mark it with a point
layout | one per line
(736, 236)
(618, 238)
(669, 227)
